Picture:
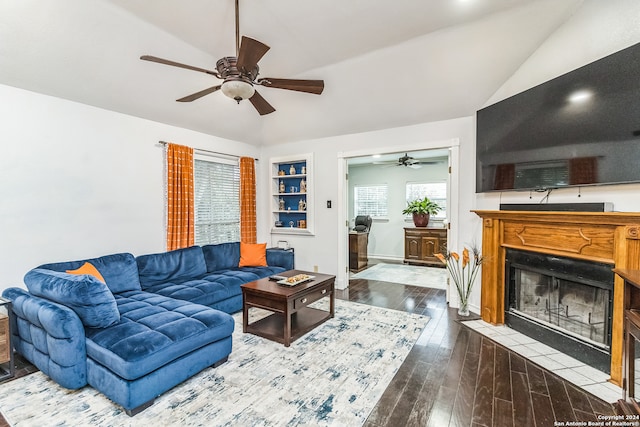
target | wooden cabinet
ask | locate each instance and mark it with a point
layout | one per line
(292, 194)
(631, 380)
(422, 244)
(358, 257)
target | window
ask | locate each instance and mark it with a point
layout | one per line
(370, 200)
(217, 201)
(435, 191)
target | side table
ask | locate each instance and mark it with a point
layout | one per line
(7, 367)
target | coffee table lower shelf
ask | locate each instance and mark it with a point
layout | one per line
(273, 326)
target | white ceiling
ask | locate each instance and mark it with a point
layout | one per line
(385, 63)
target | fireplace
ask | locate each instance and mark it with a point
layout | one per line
(610, 238)
(562, 302)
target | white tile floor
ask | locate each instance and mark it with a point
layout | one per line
(589, 379)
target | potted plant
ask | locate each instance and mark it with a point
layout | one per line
(421, 209)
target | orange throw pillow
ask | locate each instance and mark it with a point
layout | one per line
(90, 269)
(253, 255)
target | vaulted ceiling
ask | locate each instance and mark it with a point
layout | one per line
(385, 63)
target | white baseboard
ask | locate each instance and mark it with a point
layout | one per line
(386, 258)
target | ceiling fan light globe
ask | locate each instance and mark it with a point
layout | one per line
(238, 89)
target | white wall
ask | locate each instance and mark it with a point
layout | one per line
(321, 249)
(597, 29)
(78, 182)
(386, 237)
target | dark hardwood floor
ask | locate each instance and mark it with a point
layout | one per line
(454, 376)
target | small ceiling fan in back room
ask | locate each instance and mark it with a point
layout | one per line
(412, 162)
(240, 74)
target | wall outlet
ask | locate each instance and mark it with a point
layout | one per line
(315, 268)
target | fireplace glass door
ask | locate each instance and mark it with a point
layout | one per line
(565, 303)
(575, 308)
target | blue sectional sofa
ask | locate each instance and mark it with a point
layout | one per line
(160, 319)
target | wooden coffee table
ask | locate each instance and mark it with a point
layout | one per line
(291, 315)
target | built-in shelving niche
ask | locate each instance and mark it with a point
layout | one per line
(292, 203)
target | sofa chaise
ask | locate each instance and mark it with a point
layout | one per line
(130, 327)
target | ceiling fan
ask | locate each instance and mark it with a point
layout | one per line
(240, 74)
(410, 162)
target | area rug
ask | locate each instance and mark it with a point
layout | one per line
(427, 277)
(334, 375)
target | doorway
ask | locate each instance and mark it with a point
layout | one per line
(392, 174)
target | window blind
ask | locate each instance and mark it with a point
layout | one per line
(370, 200)
(217, 204)
(435, 191)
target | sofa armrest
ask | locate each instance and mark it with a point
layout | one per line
(50, 336)
(280, 258)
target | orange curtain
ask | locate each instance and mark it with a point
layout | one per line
(180, 195)
(247, 200)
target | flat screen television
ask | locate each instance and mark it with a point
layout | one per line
(579, 129)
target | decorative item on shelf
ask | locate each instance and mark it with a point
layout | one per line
(303, 170)
(281, 204)
(462, 273)
(302, 205)
(303, 186)
(292, 170)
(293, 189)
(421, 209)
(302, 223)
(279, 224)
(291, 224)
(289, 208)
(281, 173)
(282, 190)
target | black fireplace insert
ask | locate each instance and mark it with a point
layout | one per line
(565, 303)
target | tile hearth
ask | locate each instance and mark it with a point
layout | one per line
(589, 379)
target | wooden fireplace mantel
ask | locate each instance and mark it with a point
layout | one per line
(607, 237)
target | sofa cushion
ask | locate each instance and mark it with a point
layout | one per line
(167, 266)
(87, 296)
(249, 274)
(253, 255)
(120, 271)
(206, 290)
(212, 288)
(153, 331)
(221, 256)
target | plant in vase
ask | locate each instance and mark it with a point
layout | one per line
(463, 272)
(421, 210)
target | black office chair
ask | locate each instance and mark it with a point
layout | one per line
(363, 223)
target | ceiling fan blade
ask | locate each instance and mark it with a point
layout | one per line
(251, 51)
(199, 95)
(308, 86)
(177, 64)
(261, 104)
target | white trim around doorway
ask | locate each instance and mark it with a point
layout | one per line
(453, 145)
